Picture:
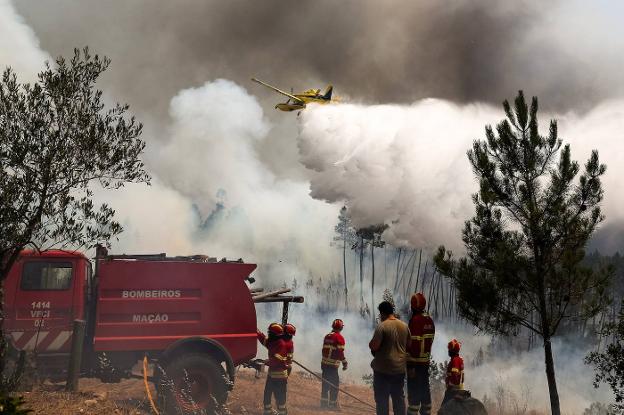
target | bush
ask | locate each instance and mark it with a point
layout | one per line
(11, 405)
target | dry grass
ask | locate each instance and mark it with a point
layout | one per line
(129, 398)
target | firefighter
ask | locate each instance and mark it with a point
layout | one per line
(332, 357)
(289, 333)
(277, 377)
(422, 332)
(454, 371)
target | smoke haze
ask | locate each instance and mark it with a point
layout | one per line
(376, 51)
(406, 165)
(232, 177)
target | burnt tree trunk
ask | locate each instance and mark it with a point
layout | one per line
(344, 271)
(550, 376)
(361, 269)
(373, 280)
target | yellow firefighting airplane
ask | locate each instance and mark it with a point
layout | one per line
(299, 101)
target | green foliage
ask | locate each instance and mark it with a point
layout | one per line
(387, 296)
(437, 375)
(525, 244)
(58, 141)
(368, 379)
(345, 233)
(597, 408)
(372, 235)
(609, 363)
(11, 405)
(526, 241)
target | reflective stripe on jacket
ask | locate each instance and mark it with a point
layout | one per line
(422, 332)
(333, 349)
(455, 373)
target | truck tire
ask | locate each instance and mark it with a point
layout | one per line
(192, 383)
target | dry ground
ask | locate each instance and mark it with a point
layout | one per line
(129, 397)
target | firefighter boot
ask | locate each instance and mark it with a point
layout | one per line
(413, 409)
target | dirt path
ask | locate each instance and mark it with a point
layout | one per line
(129, 398)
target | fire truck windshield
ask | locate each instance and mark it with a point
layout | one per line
(44, 275)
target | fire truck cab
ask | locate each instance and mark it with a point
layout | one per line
(195, 317)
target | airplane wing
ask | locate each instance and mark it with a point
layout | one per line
(279, 91)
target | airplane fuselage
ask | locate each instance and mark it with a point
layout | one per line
(307, 99)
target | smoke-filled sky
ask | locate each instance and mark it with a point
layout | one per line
(377, 51)
(419, 81)
(422, 79)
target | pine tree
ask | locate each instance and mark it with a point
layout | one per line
(345, 235)
(609, 363)
(371, 235)
(526, 241)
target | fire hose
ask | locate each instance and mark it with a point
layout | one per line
(334, 386)
(147, 389)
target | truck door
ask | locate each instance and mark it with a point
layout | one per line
(44, 304)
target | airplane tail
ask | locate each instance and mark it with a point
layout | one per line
(328, 93)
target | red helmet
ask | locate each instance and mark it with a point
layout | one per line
(276, 329)
(337, 324)
(290, 329)
(418, 301)
(454, 346)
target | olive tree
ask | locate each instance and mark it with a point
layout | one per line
(58, 142)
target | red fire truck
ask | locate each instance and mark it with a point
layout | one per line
(195, 317)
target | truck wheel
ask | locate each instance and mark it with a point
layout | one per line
(192, 383)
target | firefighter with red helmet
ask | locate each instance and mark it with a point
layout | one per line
(332, 357)
(289, 333)
(277, 377)
(422, 331)
(454, 371)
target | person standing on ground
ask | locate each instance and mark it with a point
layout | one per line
(389, 345)
(332, 357)
(277, 378)
(422, 332)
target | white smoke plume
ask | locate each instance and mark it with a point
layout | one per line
(406, 166)
(19, 47)
(214, 195)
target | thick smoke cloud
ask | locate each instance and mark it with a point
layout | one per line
(19, 47)
(399, 165)
(213, 195)
(406, 165)
(372, 50)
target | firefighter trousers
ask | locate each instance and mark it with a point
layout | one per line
(418, 390)
(329, 394)
(275, 388)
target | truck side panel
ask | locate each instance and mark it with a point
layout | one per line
(148, 305)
